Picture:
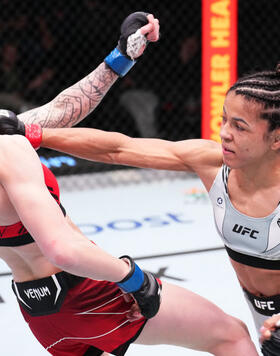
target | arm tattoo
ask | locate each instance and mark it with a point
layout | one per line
(75, 103)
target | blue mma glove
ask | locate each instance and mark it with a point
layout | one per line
(145, 288)
(130, 44)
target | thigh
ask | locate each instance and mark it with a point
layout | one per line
(186, 319)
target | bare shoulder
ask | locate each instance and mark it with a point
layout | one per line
(16, 155)
(14, 143)
(199, 153)
(204, 157)
(212, 151)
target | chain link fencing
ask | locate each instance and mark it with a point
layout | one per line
(47, 46)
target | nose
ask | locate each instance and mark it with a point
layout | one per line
(225, 132)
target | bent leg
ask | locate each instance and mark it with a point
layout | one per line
(188, 320)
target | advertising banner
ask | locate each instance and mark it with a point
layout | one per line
(219, 61)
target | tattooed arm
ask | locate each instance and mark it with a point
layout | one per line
(74, 103)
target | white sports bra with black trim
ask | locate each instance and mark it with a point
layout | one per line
(249, 240)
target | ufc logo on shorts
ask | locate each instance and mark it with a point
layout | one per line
(264, 305)
(239, 229)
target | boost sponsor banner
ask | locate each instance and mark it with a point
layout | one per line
(219, 61)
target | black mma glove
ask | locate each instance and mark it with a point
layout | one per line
(131, 41)
(271, 347)
(144, 287)
(11, 125)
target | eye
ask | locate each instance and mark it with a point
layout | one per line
(239, 128)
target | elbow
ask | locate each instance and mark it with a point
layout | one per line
(63, 257)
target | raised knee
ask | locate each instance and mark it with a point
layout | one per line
(231, 334)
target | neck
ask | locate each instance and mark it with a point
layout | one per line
(261, 175)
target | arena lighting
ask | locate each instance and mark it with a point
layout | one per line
(58, 161)
(219, 61)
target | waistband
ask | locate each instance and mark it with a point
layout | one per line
(264, 305)
(45, 296)
(252, 260)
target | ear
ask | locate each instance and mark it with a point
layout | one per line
(276, 140)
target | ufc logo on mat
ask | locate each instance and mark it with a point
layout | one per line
(264, 305)
(239, 229)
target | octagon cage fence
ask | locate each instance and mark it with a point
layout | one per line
(46, 46)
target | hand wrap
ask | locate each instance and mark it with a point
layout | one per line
(271, 347)
(11, 125)
(144, 287)
(131, 41)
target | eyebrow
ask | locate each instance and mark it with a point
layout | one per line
(236, 118)
(240, 120)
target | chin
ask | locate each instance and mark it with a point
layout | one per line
(233, 165)
(229, 163)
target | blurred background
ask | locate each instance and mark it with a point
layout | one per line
(47, 46)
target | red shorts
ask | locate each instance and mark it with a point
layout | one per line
(90, 319)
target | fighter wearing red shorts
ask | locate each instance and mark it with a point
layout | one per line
(67, 312)
(72, 314)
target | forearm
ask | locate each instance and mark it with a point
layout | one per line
(91, 144)
(74, 103)
(83, 258)
(116, 148)
(144, 287)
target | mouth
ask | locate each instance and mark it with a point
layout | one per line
(226, 150)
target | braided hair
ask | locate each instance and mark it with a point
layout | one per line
(263, 88)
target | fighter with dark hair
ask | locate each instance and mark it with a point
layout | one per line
(90, 301)
(241, 175)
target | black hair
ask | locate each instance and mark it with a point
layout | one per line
(263, 88)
